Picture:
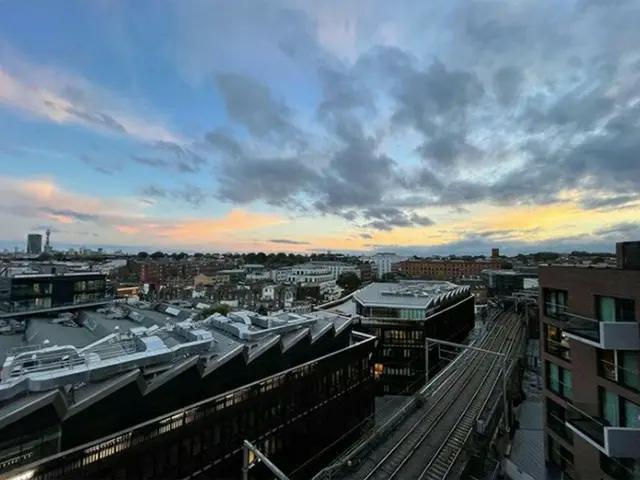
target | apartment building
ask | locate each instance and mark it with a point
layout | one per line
(590, 323)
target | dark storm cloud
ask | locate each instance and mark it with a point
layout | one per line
(285, 241)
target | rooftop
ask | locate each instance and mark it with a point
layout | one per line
(92, 352)
(507, 272)
(410, 294)
(84, 273)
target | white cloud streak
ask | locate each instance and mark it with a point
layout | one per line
(58, 96)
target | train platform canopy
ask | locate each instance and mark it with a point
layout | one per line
(92, 353)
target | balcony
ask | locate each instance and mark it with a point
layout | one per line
(620, 442)
(558, 349)
(604, 335)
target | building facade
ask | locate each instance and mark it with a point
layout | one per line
(502, 282)
(590, 325)
(445, 269)
(402, 315)
(24, 293)
(299, 416)
(386, 262)
(34, 243)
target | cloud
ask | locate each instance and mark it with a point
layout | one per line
(624, 228)
(190, 194)
(61, 97)
(251, 104)
(28, 202)
(285, 241)
(53, 229)
(107, 167)
(497, 114)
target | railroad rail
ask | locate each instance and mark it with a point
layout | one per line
(452, 407)
(441, 463)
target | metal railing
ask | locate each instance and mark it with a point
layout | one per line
(558, 349)
(8, 307)
(614, 372)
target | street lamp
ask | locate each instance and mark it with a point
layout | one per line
(503, 357)
(251, 456)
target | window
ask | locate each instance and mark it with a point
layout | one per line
(629, 376)
(621, 367)
(555, 302)
(556, 417)
(617, 411)
(556, 343)
(559, 455)
(612, 309)
(559, 380)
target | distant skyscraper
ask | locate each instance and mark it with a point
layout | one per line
(495, 252)
(34, 243)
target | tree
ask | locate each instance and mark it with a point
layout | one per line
(158, 254)
(349, 281)
(142, 255)
(388, 277)
(221, 308)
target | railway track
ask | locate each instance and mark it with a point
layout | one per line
(428, 427)
(445, 457)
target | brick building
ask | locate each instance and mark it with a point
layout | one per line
(445, 269)
(590, 325)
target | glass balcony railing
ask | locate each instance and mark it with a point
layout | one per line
(615, 441)
(587, 421)
(558, 425)
(613, 335)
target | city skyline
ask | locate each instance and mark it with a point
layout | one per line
(310, 126)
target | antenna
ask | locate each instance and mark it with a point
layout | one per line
(47, 245)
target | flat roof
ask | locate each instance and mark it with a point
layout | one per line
(120, 343)
(63, 274)
(507, 272)
(408, 294)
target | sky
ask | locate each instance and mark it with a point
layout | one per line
(448, 126)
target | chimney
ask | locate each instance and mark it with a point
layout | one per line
(628, 255)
